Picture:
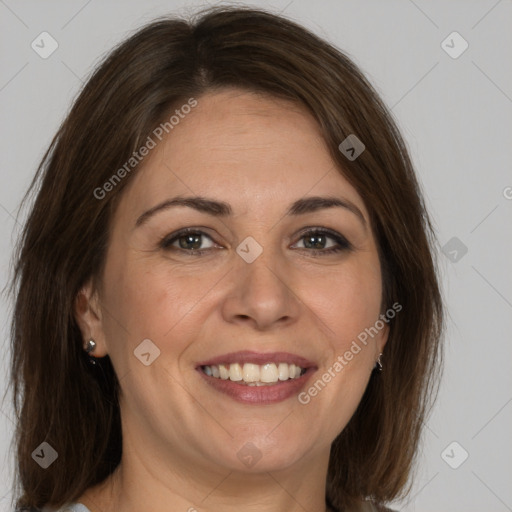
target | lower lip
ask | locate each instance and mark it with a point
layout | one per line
(258, 395)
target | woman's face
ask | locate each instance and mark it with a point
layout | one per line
(267, 277)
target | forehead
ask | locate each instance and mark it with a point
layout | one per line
(244, 148)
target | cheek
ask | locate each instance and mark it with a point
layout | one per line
(141, 293)
(357, 295)
(348, 301)
(147, 300)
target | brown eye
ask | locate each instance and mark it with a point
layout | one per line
(192, 241)
(315, 241)
(324, 241)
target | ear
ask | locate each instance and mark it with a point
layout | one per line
(383, 336)
(87, 312)
(381, 339)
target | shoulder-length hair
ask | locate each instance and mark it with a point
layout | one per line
(59, 397)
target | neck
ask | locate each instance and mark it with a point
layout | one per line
(144, 483)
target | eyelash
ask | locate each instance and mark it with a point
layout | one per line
(343, 243)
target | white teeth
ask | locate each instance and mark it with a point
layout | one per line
(283, 371)
(269, 373)
(224, 372)
(235, 372)
(251, 372)
(254, 374)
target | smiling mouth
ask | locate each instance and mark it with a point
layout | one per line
(250, 374)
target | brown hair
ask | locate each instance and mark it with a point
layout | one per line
(63, 400)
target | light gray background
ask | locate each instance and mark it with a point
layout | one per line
(456, 115)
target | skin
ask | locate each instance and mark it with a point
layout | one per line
(180, 436)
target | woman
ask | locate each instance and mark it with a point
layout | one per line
(226, 293)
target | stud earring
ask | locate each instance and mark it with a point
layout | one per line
(90, 346)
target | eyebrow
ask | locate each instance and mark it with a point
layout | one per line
(222, 209)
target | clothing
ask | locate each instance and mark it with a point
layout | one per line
(73, 507)
(368, 506)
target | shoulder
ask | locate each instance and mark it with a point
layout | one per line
(382, 508)
(370, 506)
(72, 507)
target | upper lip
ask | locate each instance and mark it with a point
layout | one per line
(247, 356)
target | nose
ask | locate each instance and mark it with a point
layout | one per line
(261, 294)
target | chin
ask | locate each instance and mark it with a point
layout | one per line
(262, 454)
